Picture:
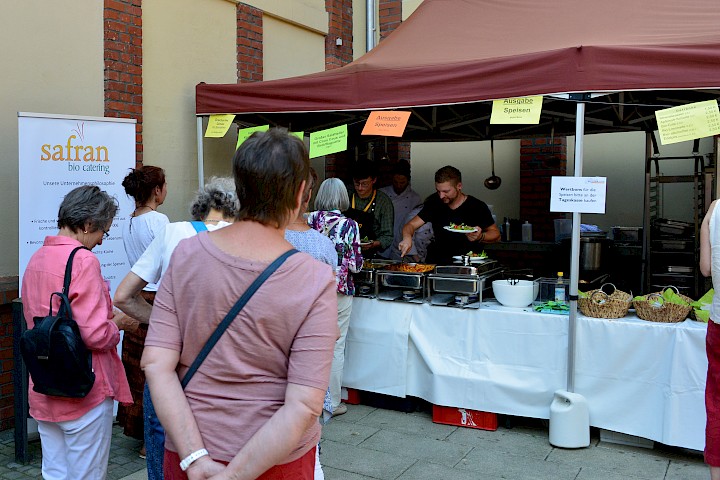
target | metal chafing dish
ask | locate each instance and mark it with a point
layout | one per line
(460, 285)
(406, 286)
(365, 278)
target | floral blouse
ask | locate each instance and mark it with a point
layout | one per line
(345, 234)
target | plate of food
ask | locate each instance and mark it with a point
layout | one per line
(474, 256)
(365, 241)
(460, 228)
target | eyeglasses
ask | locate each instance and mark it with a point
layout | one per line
(363, 184)
(106, 234)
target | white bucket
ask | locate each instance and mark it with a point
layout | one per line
(569, 420)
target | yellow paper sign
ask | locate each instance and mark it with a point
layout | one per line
(244, 133)
(520, 111)
(328, 141)
(218, 125)
(387, 124)
(300, 135)
(688, 122)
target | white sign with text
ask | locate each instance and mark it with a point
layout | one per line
(578, 194)
(58, 153)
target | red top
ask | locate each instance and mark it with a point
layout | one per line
(92, 310)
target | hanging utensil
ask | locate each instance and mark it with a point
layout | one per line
(493, 182)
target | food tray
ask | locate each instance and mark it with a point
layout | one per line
(410, 267)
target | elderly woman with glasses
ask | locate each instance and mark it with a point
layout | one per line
(215, 206)
(75, 432)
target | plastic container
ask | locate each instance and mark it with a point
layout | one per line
(569, 420)
(464, 417)
(547, 289)
(527, 231)
(563, 229)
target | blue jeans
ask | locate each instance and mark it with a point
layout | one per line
(154, 438)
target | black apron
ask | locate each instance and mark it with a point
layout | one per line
(365, 219)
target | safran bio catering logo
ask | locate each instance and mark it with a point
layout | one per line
(79, 152)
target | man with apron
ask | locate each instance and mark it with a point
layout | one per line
(372, 210)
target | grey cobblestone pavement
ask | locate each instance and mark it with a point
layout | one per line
(376, 444)
(124, 459)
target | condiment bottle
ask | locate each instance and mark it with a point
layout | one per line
(527, 231)
(560, 288)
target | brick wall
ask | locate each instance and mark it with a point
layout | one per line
(249, 44)
(8, 292)
(123, 63)
(390, 15)
(340, 26)
(539, 161)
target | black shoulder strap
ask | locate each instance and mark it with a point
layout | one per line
(66, 284)
(232, 314)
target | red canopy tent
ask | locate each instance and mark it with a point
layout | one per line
(450, 54)
(602, 66)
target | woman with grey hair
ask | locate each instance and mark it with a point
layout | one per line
(331, 199)
(75, 432)
(215, 206)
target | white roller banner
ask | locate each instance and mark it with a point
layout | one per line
(58, 153)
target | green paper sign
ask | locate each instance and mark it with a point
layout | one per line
(328, 141)
(300, 135)
(244, 133)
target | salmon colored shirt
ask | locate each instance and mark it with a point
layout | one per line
(92, 310)
(285, 334)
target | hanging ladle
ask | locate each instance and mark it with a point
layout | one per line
(492, 182)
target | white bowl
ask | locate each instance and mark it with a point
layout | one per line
(520, 294)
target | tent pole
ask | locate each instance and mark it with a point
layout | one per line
(200, 156)
(575, 249)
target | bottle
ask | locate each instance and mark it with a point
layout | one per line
(560, 288)
(527, 231)
(506, 231)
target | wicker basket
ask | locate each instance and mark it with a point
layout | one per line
(600, 304)
(654, 309)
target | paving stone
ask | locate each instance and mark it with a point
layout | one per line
(431, 471)
(346, 432)
(504, 441)
(363, 461)
(336, 474)
(632, 461)
(417, 446)
(412, 423)
(687, 470)
(503, 465)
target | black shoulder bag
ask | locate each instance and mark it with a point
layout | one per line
(53, 350)
(232, 314)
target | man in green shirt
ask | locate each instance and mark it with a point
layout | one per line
(372, 209)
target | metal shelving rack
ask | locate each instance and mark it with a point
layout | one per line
(671, 248)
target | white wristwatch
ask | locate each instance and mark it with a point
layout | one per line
(187, 461)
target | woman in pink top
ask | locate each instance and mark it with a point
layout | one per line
(251, 410)
(75, 432)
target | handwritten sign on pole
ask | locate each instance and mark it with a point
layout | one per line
(520, 111)
(688, 122)
(244, 133)
(328, 141)
(387, 124)
(578, 194)
(218, 125)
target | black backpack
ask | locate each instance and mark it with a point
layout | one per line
(53, 350)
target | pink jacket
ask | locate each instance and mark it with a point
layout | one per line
(92, 310)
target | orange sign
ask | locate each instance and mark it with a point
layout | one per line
(386, 123)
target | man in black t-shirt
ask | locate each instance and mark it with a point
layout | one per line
(450, 206)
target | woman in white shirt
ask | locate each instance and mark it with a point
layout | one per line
(148, 188)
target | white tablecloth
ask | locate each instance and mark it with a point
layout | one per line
(641, 378)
